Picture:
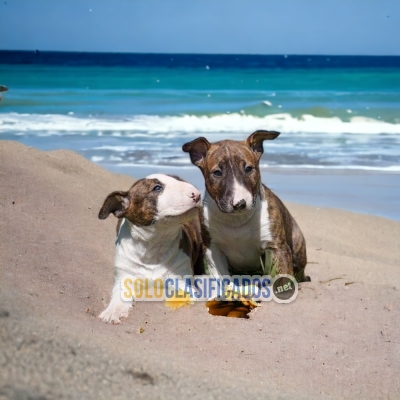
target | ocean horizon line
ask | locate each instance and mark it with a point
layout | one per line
(202, 54)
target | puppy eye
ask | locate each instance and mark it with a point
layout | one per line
(217, 172)
(248, 169)
(157, 188)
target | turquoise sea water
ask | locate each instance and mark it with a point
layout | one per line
(347, 117)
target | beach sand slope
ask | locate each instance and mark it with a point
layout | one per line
(339, 338)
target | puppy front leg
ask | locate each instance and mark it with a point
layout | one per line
(118, 309)
(216, 261)
(281, 259)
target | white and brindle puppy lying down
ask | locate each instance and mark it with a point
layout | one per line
(159, 234)
(243, 220)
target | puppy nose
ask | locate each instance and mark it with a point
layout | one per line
(195, 196)
(241, 205)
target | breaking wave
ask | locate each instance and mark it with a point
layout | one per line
(236, 124)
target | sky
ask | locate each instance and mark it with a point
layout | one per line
(345, 27)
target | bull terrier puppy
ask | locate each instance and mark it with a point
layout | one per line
(242, 219)
(159, 234)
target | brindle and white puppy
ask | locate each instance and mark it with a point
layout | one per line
(243, 219)
(159, 234)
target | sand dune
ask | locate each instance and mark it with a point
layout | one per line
(338, 339)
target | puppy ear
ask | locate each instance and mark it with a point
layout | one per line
(197, 149)
(256, 139)
(116, 203)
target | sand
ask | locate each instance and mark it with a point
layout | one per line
(338, 339)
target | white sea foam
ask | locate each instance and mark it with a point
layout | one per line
(143, 125)
(186, 164)
(96, 159)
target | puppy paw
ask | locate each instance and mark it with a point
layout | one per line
(114, 314)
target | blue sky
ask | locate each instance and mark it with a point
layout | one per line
(369, 27)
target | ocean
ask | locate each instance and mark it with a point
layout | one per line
(121, 110)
